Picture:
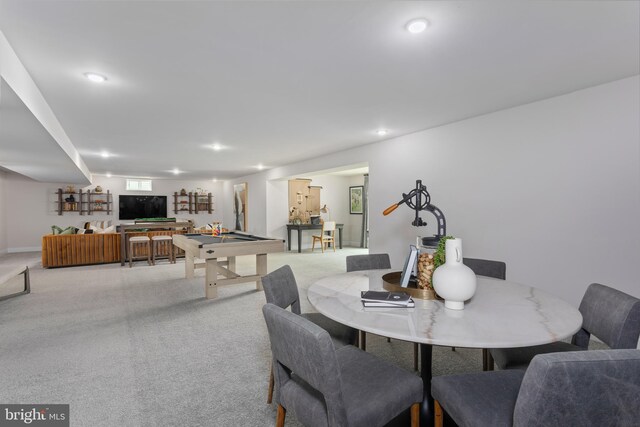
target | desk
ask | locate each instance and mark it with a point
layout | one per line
(301, 227)
(122, 228)
(228, 245)
(500, 314)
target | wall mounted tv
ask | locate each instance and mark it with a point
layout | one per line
(132, 207)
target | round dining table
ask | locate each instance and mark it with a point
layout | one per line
(501, 314)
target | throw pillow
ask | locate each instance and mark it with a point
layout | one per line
(98, 230)
(59, 230)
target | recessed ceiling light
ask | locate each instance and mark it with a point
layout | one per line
(382, 132)
(176, 171)
(95, 77)
(215, 180)
(416, 26)
(260, 166)
(105, 154)
(216, 147)
(108, 174)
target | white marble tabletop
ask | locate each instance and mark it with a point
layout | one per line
(501, 313)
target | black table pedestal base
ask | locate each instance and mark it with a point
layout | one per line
(426, 411)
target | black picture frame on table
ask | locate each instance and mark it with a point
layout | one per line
(356, 196)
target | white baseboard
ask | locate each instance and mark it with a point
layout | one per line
(26, 249)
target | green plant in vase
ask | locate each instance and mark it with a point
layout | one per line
(439, 254)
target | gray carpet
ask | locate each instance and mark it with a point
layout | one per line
(143, 347)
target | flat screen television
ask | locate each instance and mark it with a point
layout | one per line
(132, 207)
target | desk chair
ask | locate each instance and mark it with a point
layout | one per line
(323, 386)
(487, 268)
(324, 238)
(583, 388)
(607, 313)
(281, 289)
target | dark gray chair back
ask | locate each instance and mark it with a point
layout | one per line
(581, 388)
(486, 267)
(281, 289)
(302, 347)
(368, 262)
(611, 315)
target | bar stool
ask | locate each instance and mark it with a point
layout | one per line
(155, 240)
(139, 241)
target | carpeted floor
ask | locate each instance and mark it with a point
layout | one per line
(143, 347)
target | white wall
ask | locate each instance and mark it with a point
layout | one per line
(552, 188)
(31, 208)
(3, 214)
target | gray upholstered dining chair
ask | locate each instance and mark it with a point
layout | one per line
(368, 262)
(495, 270)
(281, 289)
(374, 262)
(322, 386)
(583, 388)
(609, 314)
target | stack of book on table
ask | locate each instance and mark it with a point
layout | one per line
(386, 299)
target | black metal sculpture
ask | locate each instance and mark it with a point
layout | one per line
(419, 199)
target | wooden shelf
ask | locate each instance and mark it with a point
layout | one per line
(192, 203)
(85, 202)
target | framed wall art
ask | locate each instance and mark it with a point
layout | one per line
(355, 200)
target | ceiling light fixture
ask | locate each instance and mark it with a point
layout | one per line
(95, 77)
(416, 26)
(382, 132)
(216, 147)
(108, 174)
(175, 171)
(105, 154)
(260, 166)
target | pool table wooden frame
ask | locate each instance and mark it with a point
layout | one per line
(222, 273)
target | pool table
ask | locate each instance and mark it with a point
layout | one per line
(228, 245)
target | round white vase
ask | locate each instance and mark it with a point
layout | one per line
(454, 281)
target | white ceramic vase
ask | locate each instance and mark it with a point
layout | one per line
(454, 281)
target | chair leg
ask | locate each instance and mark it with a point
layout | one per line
(487, 360)
(280, 416)
(415, 415)
(149, 249)
(363, 340)
(270, 393)
(130, 254)
(313, 244)
(416, 353)
(438, 417)
(154, 249)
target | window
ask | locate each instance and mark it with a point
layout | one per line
(139, 185)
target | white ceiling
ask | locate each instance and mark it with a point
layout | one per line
(278, 82)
